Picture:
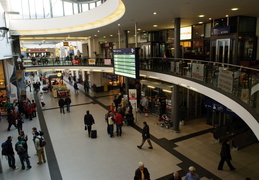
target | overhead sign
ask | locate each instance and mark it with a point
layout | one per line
(220, 30)
(126, 62)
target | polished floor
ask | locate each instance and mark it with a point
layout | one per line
(71, 154)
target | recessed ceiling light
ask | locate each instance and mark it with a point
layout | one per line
(154, 13)
(104, 37)
(119, 24)
(226, 15)
(95, 35)
(98, 31)
(200, 22)
(234, 9)
(128, 31)
(111, 35)
(201, 15)
(155, 25)
(210, 19)
(139, 29)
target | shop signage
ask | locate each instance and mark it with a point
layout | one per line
(65, 44)
(225, 80)
(107, 62)
(126, 62)
(220, 30)
(186, 33)
(216, 106)
(91, 61)
(198, 71)
(133, 97)
(112, 77)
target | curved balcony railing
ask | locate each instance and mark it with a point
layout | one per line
(238, 81)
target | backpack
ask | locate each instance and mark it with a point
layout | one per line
(20, 149)
(42, 142)
(4, 148)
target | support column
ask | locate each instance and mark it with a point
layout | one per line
(77, 75)
(83, 76)
(126, 45)
(175, 108)
(177, 28)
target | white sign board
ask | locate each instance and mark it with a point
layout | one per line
(225, 80)
(198, 71)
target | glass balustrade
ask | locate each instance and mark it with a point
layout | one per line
(235, 81)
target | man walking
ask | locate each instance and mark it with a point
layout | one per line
(89, 121)
(145, 136)
(68, 102)
(225, 156)
(22, 150)
(61, 104)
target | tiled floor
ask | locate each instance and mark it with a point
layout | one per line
(79, 157)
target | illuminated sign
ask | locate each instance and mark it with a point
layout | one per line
(126, 62)
(186, 33)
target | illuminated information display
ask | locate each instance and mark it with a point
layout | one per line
(126, 62)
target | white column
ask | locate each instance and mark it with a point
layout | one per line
(83, 75)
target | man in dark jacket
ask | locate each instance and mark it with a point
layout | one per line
(61, 104)
(22, 150)
(141, 171)
(89, 121)
(68, 102)
(145, 136)
(225, 156)
(10, 153)
(11, 120)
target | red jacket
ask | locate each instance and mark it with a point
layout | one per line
(118, 119)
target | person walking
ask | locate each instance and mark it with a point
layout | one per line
(76, 87)
(111, 124)
(192, 175)
(61, 104)
(19, 122)
(142, 172)
(39, 148)
(10, 152)
(89, 121)
(225, 156)
(11, 120)
(119, 122)
(42, 100)
(22, 150)
(68, 102)
(143, 104)
(145, 136)
(175, 176)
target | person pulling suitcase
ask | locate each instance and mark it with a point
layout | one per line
(89, 121)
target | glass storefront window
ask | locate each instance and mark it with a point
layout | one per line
(75, 6)
(25, 9)
(32, 8)
(46, 6)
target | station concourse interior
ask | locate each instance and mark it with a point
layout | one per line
(207, 61)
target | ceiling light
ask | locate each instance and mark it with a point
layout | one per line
(98, 31)
(155, 25)
(154, 13)
(128, 31)
(119, 24)
(95, 35)
(139, 29)
(201, 16)
(234, 9)
(165, 90)
(111, 35)
(226, 15)
(210, 19)
(151, 87)
(200, 22)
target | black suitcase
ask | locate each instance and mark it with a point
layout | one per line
(94, 134)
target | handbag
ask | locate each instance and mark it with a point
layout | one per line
(85, 127)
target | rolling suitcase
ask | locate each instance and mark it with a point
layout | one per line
(94, 134)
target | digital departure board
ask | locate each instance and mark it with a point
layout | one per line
(126, 62)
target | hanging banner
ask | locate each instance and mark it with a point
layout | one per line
(198, 71)
(225, 80)
(133, 97)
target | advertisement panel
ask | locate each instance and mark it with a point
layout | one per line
(198, 71)
(225, 80)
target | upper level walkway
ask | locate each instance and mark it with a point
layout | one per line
(233, 86)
